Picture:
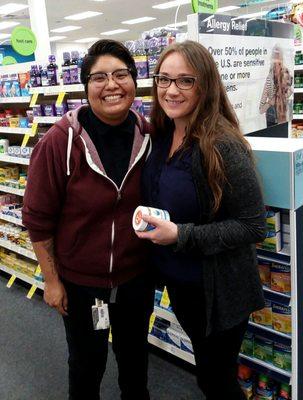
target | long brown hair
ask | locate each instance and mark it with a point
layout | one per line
(211, 122)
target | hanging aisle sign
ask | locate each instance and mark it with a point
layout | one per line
(204, 6)
(23, 41)
(255, 59)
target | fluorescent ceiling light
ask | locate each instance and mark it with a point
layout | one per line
(171, 4)
(115, 32)
(252, 15)
(55, 38)
(83, 15)
(182, 23)
(66, 29)
(4, 35)
(10, 8)
(86, 40)
(137, 20)
(227, 8)
(8, 24)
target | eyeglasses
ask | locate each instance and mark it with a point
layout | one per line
(120, 76)
(183, 83)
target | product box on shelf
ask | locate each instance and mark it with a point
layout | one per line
(14, 86)
(247, 346)
(264, 271)
(282, 356)
(24, 81)
(263, 349)
(272, 242)
(264, 316)
(281, 317)
(280, 278)
(273, 220)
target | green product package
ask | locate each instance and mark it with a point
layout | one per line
(263, 349)
(282, 356)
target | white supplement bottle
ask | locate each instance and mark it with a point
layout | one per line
(140, 225)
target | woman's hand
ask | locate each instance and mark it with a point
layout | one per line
(165, 232)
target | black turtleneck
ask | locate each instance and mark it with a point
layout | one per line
(113, 143)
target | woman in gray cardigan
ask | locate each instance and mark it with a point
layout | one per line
(201, 170)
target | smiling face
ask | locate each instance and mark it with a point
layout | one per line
(177, 104)
(110, 101)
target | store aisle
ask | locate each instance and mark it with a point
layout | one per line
(33, 356)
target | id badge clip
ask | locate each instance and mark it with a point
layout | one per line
(100, 315)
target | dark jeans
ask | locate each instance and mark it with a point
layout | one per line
(215, 355)
(129, 318)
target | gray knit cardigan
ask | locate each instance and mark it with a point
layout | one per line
(227, 240)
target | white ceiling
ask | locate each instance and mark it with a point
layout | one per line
(114, 11)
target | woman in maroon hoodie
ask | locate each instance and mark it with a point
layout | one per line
(83, 187)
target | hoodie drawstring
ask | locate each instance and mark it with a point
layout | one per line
(69, 149)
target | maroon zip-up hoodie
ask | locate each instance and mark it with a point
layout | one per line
(70, 198)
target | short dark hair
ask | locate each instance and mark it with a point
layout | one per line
(107, 47)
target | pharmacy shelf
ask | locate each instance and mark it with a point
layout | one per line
(165, 314)
(15, 131)
(13, 220)
(11, 100)
(22, 277)
(7, 189)
(46, 120)
(277, 297)
(282, 257)
(54, 90)
(269, 332)
(298, 90)
(265, 368)
(297, 116)
(298, 68)
(14, 160)
(144, 83)
(184, 355)
(17, 249)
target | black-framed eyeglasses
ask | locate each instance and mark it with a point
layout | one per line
(183, 83)
(101, 78)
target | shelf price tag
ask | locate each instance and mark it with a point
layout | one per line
(11, 281)
(60, 98)
(31, 292)
(165, 299)
(34, 99)
(151, 322)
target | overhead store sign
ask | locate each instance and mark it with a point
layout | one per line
(255, 61)
(204, 6)
(23, 41)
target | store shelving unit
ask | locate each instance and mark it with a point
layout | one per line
(15, 131)
(12, 220)
(46, 120)
(18, 249)
(15, 100)
(22, 277)
(171, 349)
(14, 160)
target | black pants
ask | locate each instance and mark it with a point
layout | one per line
(215, 355)
(129, 318)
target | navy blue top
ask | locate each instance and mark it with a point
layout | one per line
(168, 184)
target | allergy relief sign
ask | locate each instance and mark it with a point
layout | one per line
(255, 59)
